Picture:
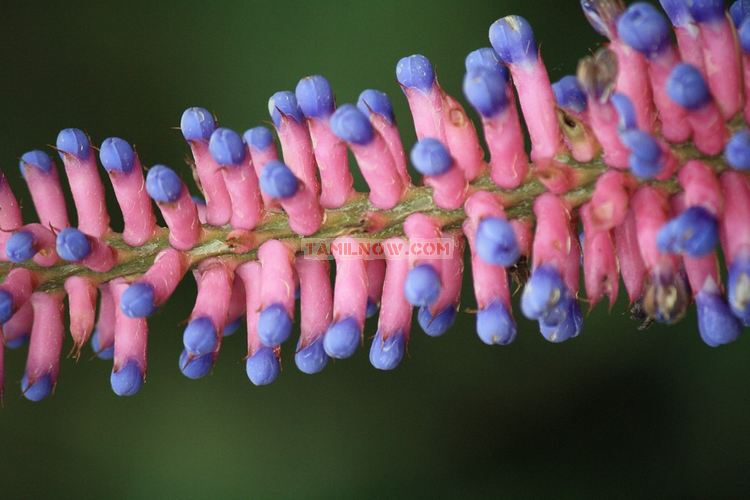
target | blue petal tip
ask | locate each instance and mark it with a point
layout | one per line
(645, 29)
(39, 390)
(437, 325)
(737, 150)
(117, 155)
(197, 124)
(387, 354)
(422, 286)
(128, 380)
(37, 159)
(274, 325)
(163, 184)
(195, 367)
(352, 125)
(315, 97)
(20, 246)
(137, 301)
(263, 367)
(415, 71)
(312, 358)
(199, 337)
(259, 138)
(342, 338)
(513, 40)
(278, 181)
(284, 104)
(431, 157)
(226, 147)
(74, 142)
(495, 326)
(496, 242)
(485, 91)
(375, 101)
(72, 245)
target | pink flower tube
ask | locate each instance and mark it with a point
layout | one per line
(45, 346)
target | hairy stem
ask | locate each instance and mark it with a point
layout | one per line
(356, 218)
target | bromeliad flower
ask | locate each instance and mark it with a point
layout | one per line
(645, 149)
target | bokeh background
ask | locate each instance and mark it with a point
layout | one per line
(616, 411)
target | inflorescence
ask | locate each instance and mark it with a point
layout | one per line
(635, 175)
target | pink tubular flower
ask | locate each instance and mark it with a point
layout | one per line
(276, 293)
(513, 40)
(417, 79)
(262, 149)
(155, 286)
(45, 346)
(375, 277)
(41, 177)
(10, 215)
(131, 336)
(18, 328)
(433, 160)
(554, 242)
(81, 305)
(316, 313)
(32, 241)
(125, 171)
(600, 269)
(176, 205)
(15, 290)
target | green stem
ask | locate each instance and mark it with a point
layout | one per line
(356, 218)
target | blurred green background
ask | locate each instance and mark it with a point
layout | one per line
(615, 411)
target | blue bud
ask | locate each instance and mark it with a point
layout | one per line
(198, 200)
(199, 337)
(197, 124)
(567, 327)
(678, 12)
(513, 40)
(20, 246)
(694, 232)
(6, 306)
(315, 97)
(73, 141)
(737, 150)
(544, 290)
(17, 342)
(226, 147)
(284, 104)
(743, 33)
(262, 368)
(128, 380)
(351, 125)
(645, 29)
(37, 159)
(422, 286)
(387, 354)
(72, 245)
(738, 288)
(486, 58)
(415, 71)
(495, 326)
(163, 185)
(232, 327)
(716, 323)
(485, 91)
(437, 325)
(258, 137)
(496, 242)
(430, 157)
(625, 111)
(687, 87)
(40, 389)
(117, 155)
(195, 368)
(137, 301)
(342, 338)
(278, 181)
(739, 11)
(646, 155)
(705, 11)
(375, 101)
(274, 325)
(312, 358)
(372, 308)
(101, 352)
(569, 94)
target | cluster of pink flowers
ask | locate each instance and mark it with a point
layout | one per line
(664, 118)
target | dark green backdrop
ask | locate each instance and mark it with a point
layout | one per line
(615, 411)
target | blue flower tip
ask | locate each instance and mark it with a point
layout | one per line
(263, 367)
(312, 358)
(352, 125)
(706, 11)
(232, 327)
(375, 101)
(6, 306)
(513, 40)
(737, 150)
(284, 104)
(422, 286)
(258, 138)
(485, 91)
(39, 390)
(315, 97)
(495, 326)
(163, 184)
(274, 325)
(644, 28)
(128, 380)
(195, 367)
(372, 308)
(386, 354)
(20, 246)
(199, 337)
(197, 124)
(72, 245)
(436, 325)
(117, 155)
(543, 292)
(17, 342)
(342, 338)
(278, 181)
(100, 351)
(415, 71)
(716, 323)
(687, 88)
(568, 326)
(37, 159)
(226, 147)
(74, 142)
(486, 58)
(569, 94)
(137, 301)
(430, 157)
(496, 242)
